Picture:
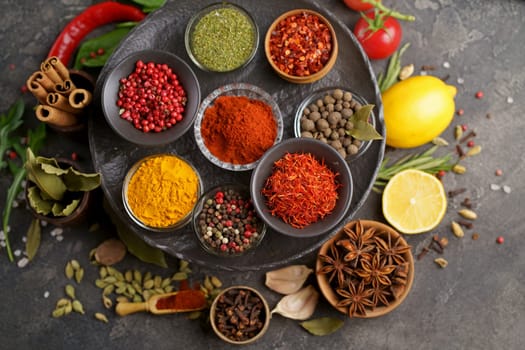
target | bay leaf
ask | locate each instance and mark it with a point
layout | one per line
(33, 239)
(39, 204)
(135, 245)
(51, 184)
(76, 181)
(362, 129)
(50, 166)
(61, 209)
(322, 326)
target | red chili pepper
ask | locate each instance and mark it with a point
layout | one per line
(92, 17)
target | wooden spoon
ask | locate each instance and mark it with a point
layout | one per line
(197, 302)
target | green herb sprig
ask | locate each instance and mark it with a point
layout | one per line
(9, 123)
(424, 161)
(386, 80)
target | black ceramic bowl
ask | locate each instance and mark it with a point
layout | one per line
(124, 128)
(322, 152)
(320, 94)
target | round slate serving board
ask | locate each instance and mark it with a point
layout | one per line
(164, 30)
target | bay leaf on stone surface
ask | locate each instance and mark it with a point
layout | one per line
(33, 237)
(322, 326)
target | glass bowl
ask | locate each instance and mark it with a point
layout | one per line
(223, 37)
(322, 153)
(123, 127)
(235, 89)
(226, 225)
(301, 79)
(128, 208)
(320, 94)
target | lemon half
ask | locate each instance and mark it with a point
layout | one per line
(414, 201)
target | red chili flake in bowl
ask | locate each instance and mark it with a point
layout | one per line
(151, 97)
(300, 45)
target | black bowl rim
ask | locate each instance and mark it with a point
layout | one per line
(124, 128)
(301, 145)
(196, 211)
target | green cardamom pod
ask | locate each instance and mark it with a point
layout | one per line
(77, 307)
(108, 290)
(110, 279)
(165, 282)
(179, 276)
(168, 289)
(136, 285)
(70, 291)
(101, 317)
(194, 315)
(79, 275)
(101, 283)
(146, 294)
(216, 282)
(137, 298)
(137, 276)
(103, 272)
(69, 271)
(147, 276)
(107, 302)
(121, 290)
(148, 284)
(128, 276)
(58, 312)
(157, 280)
(75, 264)
(68, 308)
(62, 302)
(131, 290)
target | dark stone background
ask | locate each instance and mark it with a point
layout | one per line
(476, 302)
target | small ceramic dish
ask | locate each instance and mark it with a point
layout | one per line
(78, 216)
(275, 46)
(161, 174)
(238, 231)
(353, 148)
(394, 260)
(126, 129)
(251, 299)
(323, 153)
(221, 37)
(236, 89)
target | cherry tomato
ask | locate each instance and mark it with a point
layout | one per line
(381, 43)
(358, 5)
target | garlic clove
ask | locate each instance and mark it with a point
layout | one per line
(289, 279)
(299, 305)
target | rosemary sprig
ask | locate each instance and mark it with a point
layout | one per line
(424, 161)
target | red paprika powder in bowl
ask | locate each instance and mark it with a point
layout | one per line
(236, 124)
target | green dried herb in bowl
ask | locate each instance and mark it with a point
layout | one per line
(221, 37)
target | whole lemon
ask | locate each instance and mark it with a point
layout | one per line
(417, 110)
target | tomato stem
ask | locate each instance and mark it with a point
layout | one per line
(389, 12)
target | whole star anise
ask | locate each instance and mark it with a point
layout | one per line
(375, 271)
(393, 251)
(355, 298)
(334, 265)
(380, 295)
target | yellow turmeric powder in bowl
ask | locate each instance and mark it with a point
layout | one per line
(160, 191)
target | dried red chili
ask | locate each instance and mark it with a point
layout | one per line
(301, 189)
(300, 45)
(188, 299)
(92, 17)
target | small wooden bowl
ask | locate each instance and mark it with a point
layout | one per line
(265, 310)
(332, 297)
(308, 78)
(78, 216)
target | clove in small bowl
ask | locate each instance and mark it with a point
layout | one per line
(251, 305)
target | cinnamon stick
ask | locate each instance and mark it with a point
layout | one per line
(55, 116)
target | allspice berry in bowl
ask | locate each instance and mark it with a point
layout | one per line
(338, 117)
(366, 270)
(301, 46)
(252, 315)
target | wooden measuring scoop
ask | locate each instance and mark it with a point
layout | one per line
(169, 303)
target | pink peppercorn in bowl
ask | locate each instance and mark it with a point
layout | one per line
(314, 50)
(151, 98)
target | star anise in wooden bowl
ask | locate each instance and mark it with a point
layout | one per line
(366, 269)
